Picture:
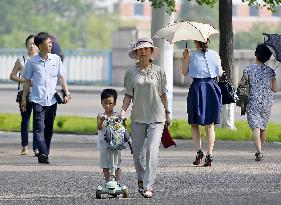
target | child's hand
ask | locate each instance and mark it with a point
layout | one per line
(122, 114)
(103, 117)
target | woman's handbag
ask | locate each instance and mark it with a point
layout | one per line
(243, 94)
(166, 139)
(19, 94)
(228, 92)
(19, 97)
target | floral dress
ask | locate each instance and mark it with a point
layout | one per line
(260, 95)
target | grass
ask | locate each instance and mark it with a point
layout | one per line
(179, 128)
(63, 124)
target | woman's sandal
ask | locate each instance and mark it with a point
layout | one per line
(259, 156)
(198, 158)
(208, 161)
(140, 188)
(148, 193)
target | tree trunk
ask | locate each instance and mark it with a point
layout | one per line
(226, 54)
(226, 37)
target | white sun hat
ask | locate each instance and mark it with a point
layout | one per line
(143, 43)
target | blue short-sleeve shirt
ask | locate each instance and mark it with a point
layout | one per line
(44, 75)
(204, 65)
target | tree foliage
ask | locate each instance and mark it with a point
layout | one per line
(74, 23)
(269, 4)
(249, 40)
(171, 4)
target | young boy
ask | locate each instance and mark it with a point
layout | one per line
(108, 101)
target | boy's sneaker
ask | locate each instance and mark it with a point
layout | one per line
(36, 152)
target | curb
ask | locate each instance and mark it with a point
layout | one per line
(90, 89)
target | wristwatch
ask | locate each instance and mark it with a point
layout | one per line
(68, 93)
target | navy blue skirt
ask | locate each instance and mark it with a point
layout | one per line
(204, 102)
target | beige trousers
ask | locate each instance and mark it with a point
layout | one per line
(146, 157)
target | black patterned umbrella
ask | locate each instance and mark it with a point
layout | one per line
(273, 42)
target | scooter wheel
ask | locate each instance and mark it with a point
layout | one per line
(98, 194)
(125, 193)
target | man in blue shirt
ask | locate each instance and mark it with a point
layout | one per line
(45, 69)
(56, 48)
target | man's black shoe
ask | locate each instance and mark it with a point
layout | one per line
(43, 159)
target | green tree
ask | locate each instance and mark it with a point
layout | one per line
(21, 18)
(101, 28)
(171, 4)
(73, 22)
(249, 39)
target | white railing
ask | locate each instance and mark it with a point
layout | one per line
(82, 66)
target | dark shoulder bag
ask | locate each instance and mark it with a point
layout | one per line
(19, 94)
(228, 92)
(243, 94)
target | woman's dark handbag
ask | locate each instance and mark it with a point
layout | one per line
(19, 94)
(59, 95)
(243, 94)
(228, 92)
(19, 97)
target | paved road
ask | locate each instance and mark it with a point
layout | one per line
(88, 104)
(73, 175)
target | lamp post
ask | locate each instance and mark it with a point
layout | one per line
(160, 19)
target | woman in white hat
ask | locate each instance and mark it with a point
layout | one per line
(145, 85)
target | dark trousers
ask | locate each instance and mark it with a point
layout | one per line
(43, 121)
(25, 120)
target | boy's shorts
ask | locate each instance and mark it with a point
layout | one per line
(104, 158)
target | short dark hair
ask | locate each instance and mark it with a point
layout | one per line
(29, 37)
(108, 92)
(263, 53)
(40, 38)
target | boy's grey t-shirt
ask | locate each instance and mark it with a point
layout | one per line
(146, 86)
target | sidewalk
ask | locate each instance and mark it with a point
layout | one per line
(74, 174)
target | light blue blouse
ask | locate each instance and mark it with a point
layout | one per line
(204, 65)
